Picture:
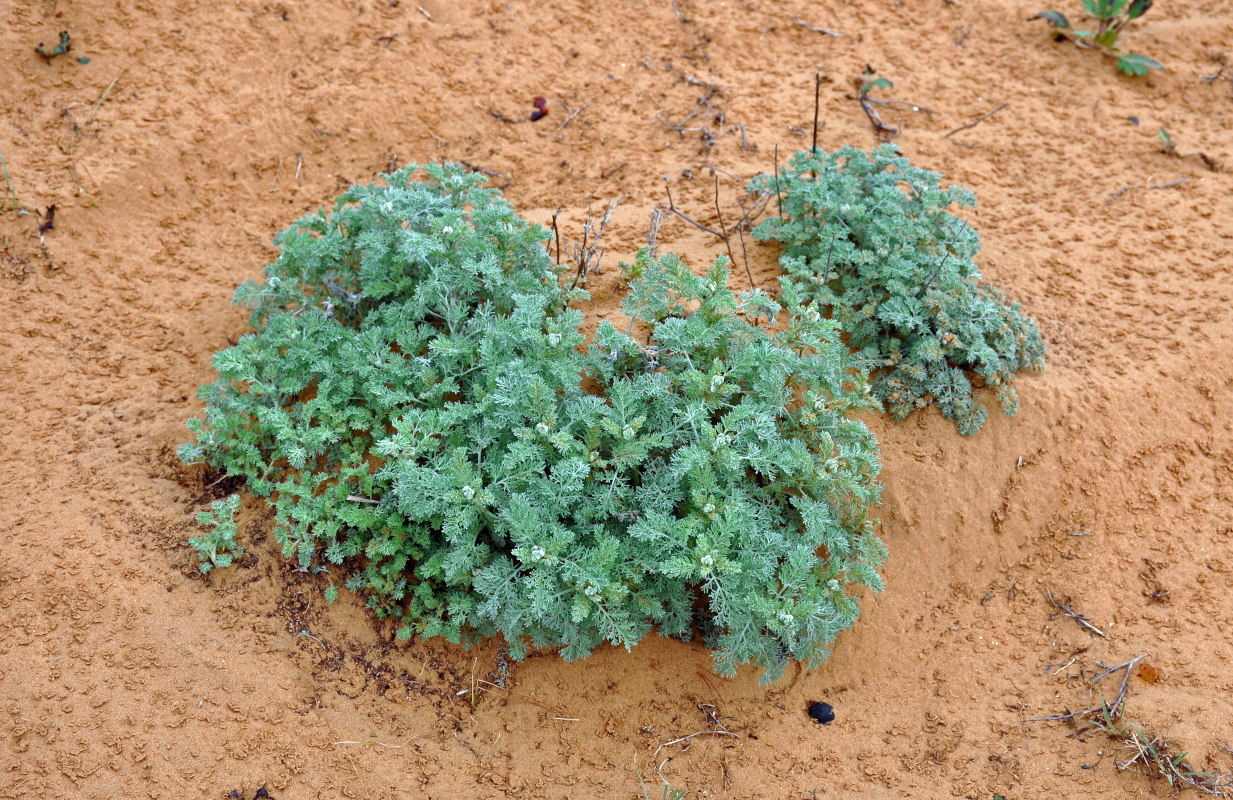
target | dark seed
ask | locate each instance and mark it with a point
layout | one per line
(822, 713)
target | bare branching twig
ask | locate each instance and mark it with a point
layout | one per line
(1065, 608)
(587, 257)
(977, 122)
(1132, 187)
(814, 28)
(573, 112)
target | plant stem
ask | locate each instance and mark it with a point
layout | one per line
(5, 167)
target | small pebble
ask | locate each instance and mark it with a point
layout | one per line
(822, 713)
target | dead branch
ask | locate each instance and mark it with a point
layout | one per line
(977, 122)
(573, 112)
(1083, 621)
(586, 257)
(878, 125)
(814, 28)
(1132, 187)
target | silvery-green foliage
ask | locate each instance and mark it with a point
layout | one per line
(869, 240)
(218, 547)
(416, 405)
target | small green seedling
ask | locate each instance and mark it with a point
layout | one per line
(60, 49)
(870, 83)
(49, 53)
(8, 203)
(218, 548)
(1111, 16)
(1169, 147)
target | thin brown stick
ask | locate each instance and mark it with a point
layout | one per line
(101, 99)
(1121, 693)
(817, 99)
(907, 103)
(759, 204)
(878, 125)
(977, 122)
(1115, 710)
(583, 255)
(482, 171)
(504, 118)
(814, 28)
(723, 229)
(778, 194)
(652, 233)
(1083, 621)
(692, 221)
(556, 233)
(573, 113)
(692, 735)
(1134, 186)
(745, 256)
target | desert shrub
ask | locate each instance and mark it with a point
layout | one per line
(868, 238)
(415, 403)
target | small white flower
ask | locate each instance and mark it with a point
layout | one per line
(833, 585)
(447, 230)
(628, 432)
(709, 508)
(468, 492)
(785, 617)
(554, 339)
(721, 441)
(716, 382)
(537, 553)
(542, 427)
(707, 561)
(590, 591)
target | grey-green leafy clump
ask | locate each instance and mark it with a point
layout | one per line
(868, 238)
(218, 547)
(416, 404)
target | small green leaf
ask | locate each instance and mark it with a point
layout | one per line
(1138, 8)
(83, 60)
(1135, 64)
(331, 593)
(1083, 34)
(1055, 18)
(1107, 39)
(876, 83)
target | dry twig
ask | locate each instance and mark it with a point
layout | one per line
(1114, 710)
(1083, 621)
(1132, 187)
(814, 28)
(573, 112)
(584, 255)
(977, 122)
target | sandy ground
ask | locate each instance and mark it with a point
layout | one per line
(198, 130)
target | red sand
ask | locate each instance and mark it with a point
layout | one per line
(199, 130)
